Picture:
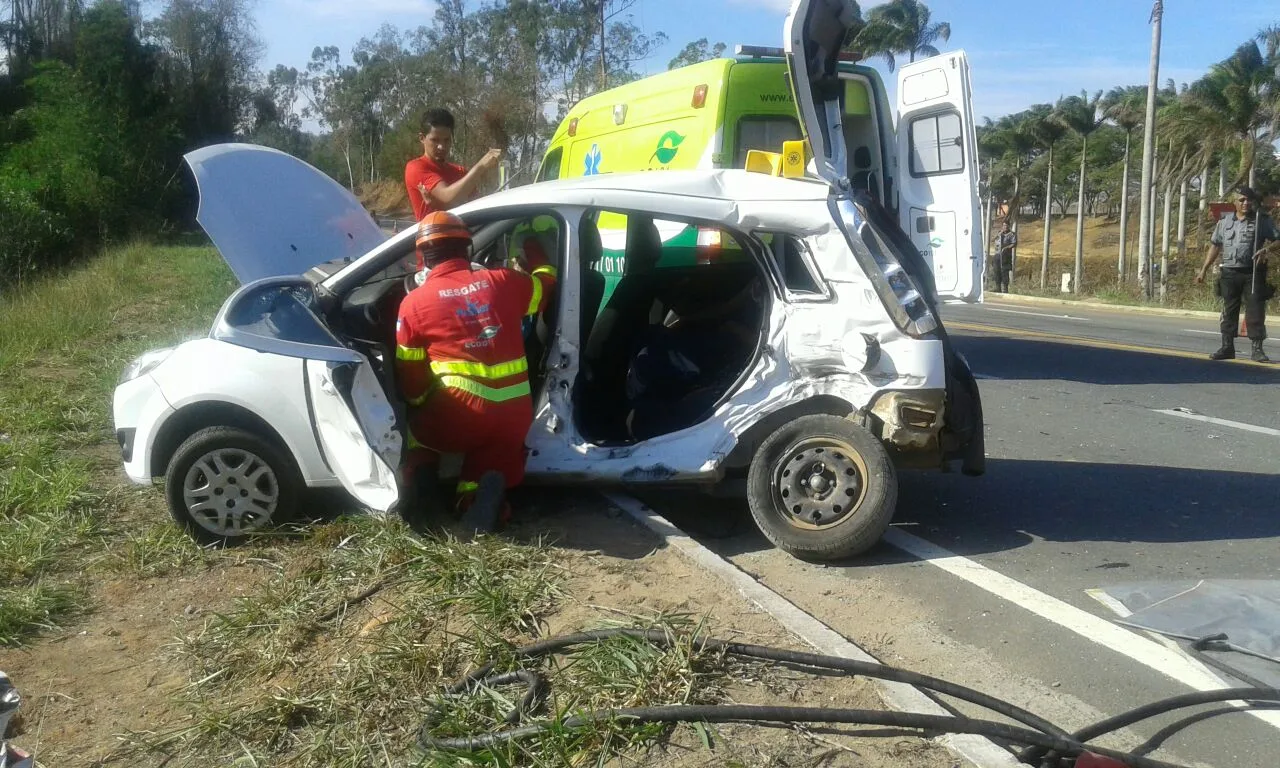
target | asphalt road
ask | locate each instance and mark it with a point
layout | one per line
(1088, 485)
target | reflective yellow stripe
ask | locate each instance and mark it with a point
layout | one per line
(413, 441)
(545, 270)
(467, 487)
(416, 401)
(410, 353)
(537, 296)
(480, 370)
(492, 394)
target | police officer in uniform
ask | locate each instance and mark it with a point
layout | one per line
(1242, 242)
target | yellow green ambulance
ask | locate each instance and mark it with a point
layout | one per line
(916, 158)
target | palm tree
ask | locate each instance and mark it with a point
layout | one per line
(1081, 114)
(1232, 100)
(992, 145)
(1270, 40)
(901, 27)
(1126, 108)
(1048, 130)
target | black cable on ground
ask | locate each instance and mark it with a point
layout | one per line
(720, 713)
(1174, 728)
(1042, 739)
(849, 666)
(1147, 711)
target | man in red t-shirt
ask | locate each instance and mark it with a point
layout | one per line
(434, 183)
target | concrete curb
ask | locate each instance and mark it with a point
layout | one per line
(1014, 298)
(978, 750)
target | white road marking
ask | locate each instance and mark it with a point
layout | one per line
(1206, 333)
(985, 376)
(1219, 422)
(1094, 628)
(977, 749)
(1038, 314)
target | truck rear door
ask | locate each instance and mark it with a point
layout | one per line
(938, 172)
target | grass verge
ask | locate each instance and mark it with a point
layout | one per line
(337, 659)
(65, 341)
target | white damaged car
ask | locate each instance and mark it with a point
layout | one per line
(777, 336)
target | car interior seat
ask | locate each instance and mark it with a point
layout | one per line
(863, 176)
(620, 326)
(590, 252)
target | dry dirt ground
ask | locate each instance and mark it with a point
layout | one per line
(109, 673)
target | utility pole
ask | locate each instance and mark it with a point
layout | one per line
(1148, 153)
(604, 68)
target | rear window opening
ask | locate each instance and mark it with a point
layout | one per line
(669, 331)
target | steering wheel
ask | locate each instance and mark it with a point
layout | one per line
(410, 282)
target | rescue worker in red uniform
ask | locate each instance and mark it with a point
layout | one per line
(461, 366)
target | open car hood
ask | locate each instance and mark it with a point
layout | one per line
(815, 33)
(271, 214)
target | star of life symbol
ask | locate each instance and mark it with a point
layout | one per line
(592, 161)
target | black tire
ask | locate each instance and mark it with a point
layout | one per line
(854, 502)
(274, 477)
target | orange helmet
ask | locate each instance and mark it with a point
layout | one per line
(441, 228)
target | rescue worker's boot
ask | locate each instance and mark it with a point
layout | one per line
(1228, 350)
(486, 506)
(423, 508)
(1259, 355)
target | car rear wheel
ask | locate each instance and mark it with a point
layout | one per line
(224, 484)
(822, 488)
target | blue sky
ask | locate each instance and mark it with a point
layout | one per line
(1022, 52)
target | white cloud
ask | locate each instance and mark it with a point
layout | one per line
(369, 8)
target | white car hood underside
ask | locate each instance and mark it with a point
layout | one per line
(271, 214)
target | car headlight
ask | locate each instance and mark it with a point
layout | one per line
(144, 364)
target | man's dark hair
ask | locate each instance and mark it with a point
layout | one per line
(1249, 192)
(436, 118)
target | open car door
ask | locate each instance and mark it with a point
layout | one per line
(938, 172)
(356, 426)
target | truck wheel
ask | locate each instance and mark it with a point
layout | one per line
(224, 484)
(822, 488)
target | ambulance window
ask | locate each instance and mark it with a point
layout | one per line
(551, 166)
(936, 145)
(764, 133)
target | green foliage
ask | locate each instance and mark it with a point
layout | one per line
(91, 150)
(30, 231)
(695, 52)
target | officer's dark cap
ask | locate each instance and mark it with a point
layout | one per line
(1251, 193)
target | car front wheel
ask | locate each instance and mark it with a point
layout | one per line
(822, 488)
(224, 484)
